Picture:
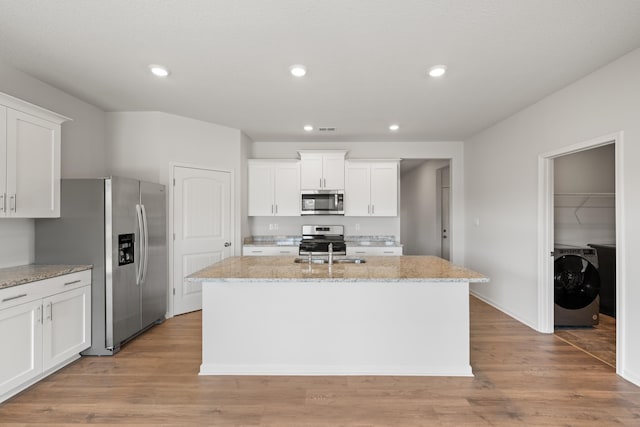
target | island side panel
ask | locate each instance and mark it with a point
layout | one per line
(335, 328)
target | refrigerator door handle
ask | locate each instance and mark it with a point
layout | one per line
(146, 244)
(140, 250)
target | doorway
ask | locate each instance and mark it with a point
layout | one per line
(584, 251)
(546, 300)
(421, 207)
(202, 215)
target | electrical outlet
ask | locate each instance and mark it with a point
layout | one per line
(275, 226)
(357, 227)
(270, 227)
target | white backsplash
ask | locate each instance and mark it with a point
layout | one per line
(291, 226)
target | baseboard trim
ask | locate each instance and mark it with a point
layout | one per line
(329, 370)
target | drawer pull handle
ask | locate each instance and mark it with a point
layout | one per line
(71, 283)
(256, 252)
(12, 298)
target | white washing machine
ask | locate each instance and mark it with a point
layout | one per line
(576, 286)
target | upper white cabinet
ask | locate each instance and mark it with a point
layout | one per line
(322, 170)
(274, 187)
(371, 188)
(29, 159)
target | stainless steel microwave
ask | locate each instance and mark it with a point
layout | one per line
(322, 202)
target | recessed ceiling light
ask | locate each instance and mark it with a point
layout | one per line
(159, 70)
(437, 70)
(308, 128)
(298, 70)
(394, 127)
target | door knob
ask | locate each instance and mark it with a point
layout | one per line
(227, 244)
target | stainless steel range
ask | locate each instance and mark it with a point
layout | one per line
(317, 238)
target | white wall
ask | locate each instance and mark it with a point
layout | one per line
(580, 219)
(245, 146)
(501, 190)
(374, 150)
(419, 230)
(83, 151)
(143, 144)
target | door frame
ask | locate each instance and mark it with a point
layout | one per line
(439, 205)
(170, 238)
(546, 237)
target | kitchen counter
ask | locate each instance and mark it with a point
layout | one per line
(389, 316)
(14, 276)
(375, 269)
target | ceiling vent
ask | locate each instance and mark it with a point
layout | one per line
(326, 129)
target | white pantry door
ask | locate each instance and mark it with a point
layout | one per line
(202, 227)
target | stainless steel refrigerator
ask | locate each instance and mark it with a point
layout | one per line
(119, 226)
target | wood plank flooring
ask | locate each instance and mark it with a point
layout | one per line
(598, 341)
(521, 378)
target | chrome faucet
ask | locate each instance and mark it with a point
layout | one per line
(330, 253)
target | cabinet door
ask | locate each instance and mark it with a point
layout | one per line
(3, 160)
(287, 189)
(261, 189)
(356, 194)
(67, 326)
(311, 172)
(33, 166)
(333, 171)
(384, 189)
(21, 338)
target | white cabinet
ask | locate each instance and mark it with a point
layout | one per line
(374, 251)
(322, 170)
(65, 334)
(29, 160)
(274, 188)
(46, 324)
(269, 250)
(21, 338)
(371, 188)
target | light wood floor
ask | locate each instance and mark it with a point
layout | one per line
(521, 378)
(599, 341)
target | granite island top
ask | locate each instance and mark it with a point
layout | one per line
(375, 269)
(14, 276)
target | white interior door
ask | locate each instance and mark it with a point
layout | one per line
(202, 227)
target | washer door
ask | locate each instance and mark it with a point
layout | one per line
(576, 282)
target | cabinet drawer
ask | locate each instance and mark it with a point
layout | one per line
(269, 250)
(68, 282)
(375, 251)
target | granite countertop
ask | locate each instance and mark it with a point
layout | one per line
(14, 276)
(376, 269)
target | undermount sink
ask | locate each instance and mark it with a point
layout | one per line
(326, 261)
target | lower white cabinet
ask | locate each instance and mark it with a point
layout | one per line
(65, 334)
(374, 251)
(269, 250)
(46, 324)
(21, 338)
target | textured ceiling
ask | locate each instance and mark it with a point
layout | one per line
(367, 59)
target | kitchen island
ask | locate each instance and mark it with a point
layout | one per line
(404, 315)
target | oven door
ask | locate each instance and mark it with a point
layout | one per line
(318, 202)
